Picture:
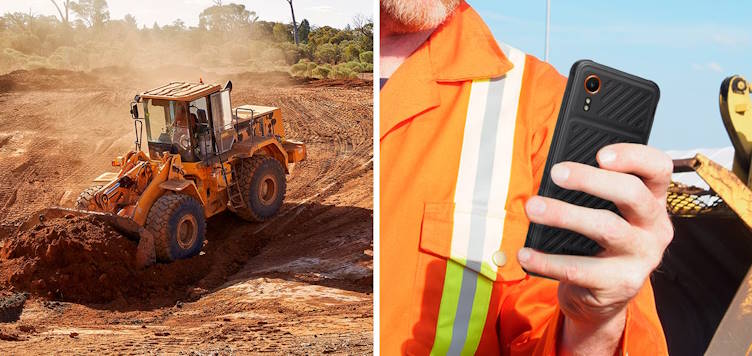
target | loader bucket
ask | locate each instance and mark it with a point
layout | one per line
(122, 224)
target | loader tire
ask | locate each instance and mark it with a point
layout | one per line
(262, 181)
(83, 202)
(179, 226)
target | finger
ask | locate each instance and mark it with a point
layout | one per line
(652, 165)
(606, 228)
(586, 272)
(635, 201)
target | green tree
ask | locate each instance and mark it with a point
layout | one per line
(366, 57)
(262, 30)
(282, 32)
(363, 27)
(350, 51)
(322, 35)
(226, 18)
(63, 16)
(327, 53)
(94, 12)
(303, 30)
(292, 52)
(130, 20)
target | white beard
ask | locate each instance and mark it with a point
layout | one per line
(418, 15)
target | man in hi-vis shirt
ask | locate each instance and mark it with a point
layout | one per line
(466, 123)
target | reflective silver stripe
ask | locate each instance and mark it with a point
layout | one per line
(482, 185)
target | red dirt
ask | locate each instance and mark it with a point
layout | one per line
(72, 258)
(298, 284)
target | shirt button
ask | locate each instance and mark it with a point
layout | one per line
(499, 258)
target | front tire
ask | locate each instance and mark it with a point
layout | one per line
(179, 226)
(262, 181)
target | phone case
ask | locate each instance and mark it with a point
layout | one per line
(621, 110)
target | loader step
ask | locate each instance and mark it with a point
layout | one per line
(234, 194)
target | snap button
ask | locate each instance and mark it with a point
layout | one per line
(499, 258)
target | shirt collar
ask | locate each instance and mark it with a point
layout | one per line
(460, 49)
(463, 48)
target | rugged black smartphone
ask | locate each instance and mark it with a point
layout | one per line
(601, 106)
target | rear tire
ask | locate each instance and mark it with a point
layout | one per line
(179, 226)
(262, 181)
(84, 200)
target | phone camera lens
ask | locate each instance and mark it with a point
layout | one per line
(592, 84)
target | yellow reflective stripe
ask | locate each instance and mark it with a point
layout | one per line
(447, 308)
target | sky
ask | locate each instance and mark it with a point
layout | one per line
(335, 13)
(687, 47)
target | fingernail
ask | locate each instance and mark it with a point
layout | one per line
(607, 156)
(535, 206)
(523, 254)
(559, 173)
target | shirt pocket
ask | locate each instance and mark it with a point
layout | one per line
(470, 236)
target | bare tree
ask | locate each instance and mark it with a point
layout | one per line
(294, 24)
(66, 6)
(363, 24)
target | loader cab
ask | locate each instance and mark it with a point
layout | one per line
(193, 120)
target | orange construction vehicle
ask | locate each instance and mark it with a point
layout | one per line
(204, 157)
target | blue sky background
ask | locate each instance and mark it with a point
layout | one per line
(686, 47)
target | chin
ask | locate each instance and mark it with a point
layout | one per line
(401, 16)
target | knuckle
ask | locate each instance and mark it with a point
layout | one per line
(572, 273)
(666, 233)
(632, 283)
(656, 262)
(613, 227)
(667, 166)
(634, 190)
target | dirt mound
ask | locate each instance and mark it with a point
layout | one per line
(45, 78)
(85, 260)
(71, 258)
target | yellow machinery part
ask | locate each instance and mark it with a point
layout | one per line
(726, 184)
(153, 191)
(296, 151)
(736, 112)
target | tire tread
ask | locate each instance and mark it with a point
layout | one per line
(246, 170)
(158, 221)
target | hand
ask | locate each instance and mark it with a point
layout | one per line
(594, 291)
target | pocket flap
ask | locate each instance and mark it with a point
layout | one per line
(469, 236)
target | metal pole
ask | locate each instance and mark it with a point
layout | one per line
(548, 28)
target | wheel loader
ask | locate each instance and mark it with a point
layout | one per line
(203, 157)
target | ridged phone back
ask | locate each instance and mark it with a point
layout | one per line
(620, 111)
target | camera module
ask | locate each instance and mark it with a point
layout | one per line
(592, 84)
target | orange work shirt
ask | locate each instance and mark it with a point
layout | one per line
(466, 125)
